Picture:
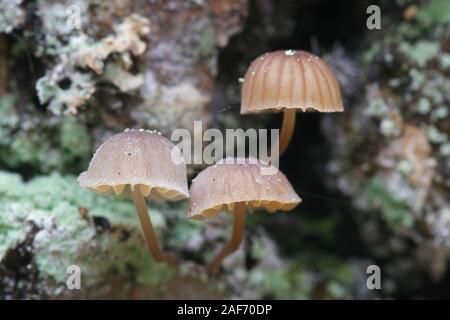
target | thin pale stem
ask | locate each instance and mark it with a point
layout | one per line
(235, 241)
(147, 227)
(287, 130)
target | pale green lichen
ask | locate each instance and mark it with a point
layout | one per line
(424, 106)
(444, 60)
(445, 149)
(74, 138)
(389, 128)
(418, 79)
(377, 108)
(65, 237)
(41, 143)
(420, 53)
(59, 99)
(435, 135)
(395, 211)
(405, 167)
(11, 15)
(204, 38)
(297, 281)
(434, 12)
(439, 113)
(80, 60)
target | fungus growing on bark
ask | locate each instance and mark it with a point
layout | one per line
(290, 81)
(235, 184)
(138, 163)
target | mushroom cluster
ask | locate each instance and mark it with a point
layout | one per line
(140, 163)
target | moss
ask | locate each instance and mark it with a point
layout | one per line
(421, 52)
(394, 211)
(11, 15)
(297, 279)
(183, 231)
(204, 38)
(74, 140)
(64, 237)
(41, 144)
(377, 108)
(435, 135)
(434, 12)
(445, 149)
(389, 128)
(424, 106)
(24, 151)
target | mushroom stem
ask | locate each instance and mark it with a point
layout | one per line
(235, 241)
(147, 227)
(287, 130)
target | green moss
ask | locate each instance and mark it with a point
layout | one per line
(395, 212)
(43, 145)
(204, 38)
(434, 12)
(24, 151)
(424, 106)
(75, 140)
(389, 128)
(297, 280)
(377, 108)
(435, 136)
(65, 237)
(183, 231)
(421, 52)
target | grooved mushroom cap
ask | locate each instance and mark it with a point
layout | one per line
(292, 80)
(234, 180)
(137, 158)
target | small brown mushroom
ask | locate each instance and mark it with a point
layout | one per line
(138, 163)
(289, 81)
(235, 184)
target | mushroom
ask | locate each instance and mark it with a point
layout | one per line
(236, 184)
(289, 81)
(138, 163)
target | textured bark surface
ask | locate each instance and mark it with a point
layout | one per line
(374, 180)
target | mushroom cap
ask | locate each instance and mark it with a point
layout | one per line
(234, 180)
(137, 158)
(289, 79)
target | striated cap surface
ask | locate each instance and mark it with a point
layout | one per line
(290, 79)
(234, 180)
(137, 158)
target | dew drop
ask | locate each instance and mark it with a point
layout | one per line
(289, 52)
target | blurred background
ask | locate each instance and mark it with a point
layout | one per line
(375, 180)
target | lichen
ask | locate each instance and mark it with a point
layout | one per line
(80, 61)
(11, 15)
(394, 210)
(62, 236)
(392, 143)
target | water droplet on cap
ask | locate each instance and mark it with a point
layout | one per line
(289, 52)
